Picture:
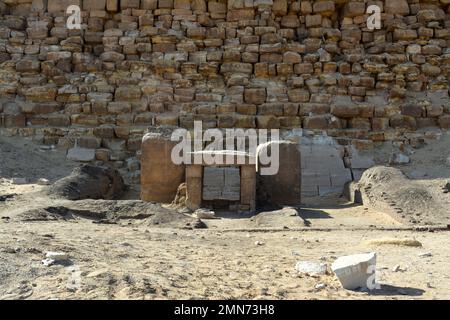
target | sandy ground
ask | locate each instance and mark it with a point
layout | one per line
(146, 256)
(134, 261)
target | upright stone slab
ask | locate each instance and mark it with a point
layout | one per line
(160, 177)
(221, 183)
(284, 187)
(194, 176)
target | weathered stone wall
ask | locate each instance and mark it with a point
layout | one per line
(237, 63)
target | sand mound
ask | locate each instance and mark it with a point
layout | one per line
(388, 190)
(89, 182)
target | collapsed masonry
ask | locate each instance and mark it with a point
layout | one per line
(309, 66)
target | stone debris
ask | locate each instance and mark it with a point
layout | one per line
(425, 255)
(52, 257)
(57, 256)
(43, 182)
(320, 286)
(399, 158)
(259, 243)
(204, 214)
(355, 271)
(311, 268)
(446, 188)
(398, 268)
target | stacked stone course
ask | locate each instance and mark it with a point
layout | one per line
(239, 63)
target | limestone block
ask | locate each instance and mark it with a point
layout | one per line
(128, 93)
(125, 4)
(160, 177)
(399, 7)
(280, 7)
(149, 4)
(28, 65)
(354, 9)
(325, 8)
(41, 93)
(61, 5)
(255, 95)
(90, 5)
(356, 271)
(112, 5)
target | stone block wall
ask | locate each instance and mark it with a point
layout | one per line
(238, 63)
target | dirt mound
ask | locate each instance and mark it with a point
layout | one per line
(388, 190)
(89, 182)
(109, 211)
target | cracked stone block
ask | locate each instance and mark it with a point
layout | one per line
(356, 271)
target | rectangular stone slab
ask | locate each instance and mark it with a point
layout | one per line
(221, 183)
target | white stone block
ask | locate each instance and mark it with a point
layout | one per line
(356, 271)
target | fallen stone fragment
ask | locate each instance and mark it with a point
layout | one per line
(43, 182)
(399, 158)
(48, 262)
(393, 241)
(197, 224)
(259, 243)
(311, 268)
(425, 255)
(446, 188)
(320, 286)
(204, 214)
(57, 256)
(52, 257)
(355, 271)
